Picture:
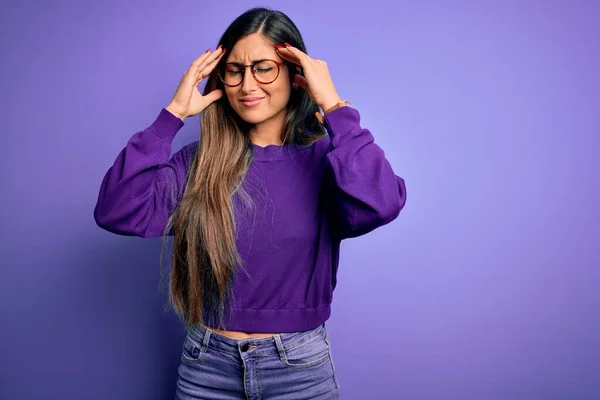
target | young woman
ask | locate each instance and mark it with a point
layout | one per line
(257, 208)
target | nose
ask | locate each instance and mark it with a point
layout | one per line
(249, 84)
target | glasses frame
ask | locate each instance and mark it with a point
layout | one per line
(243, 67)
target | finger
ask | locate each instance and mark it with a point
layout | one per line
(205, 69)
(288, 55)
(199, 60)
(301, 81)
(207, 57)
(213, 96)
(299, 54)
(213, 56)
(191, 74)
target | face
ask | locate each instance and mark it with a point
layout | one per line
(257, 102)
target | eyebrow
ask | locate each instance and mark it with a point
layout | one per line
(251, 62)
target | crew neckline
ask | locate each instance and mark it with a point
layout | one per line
(273, 152)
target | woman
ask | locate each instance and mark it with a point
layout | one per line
(257, 209)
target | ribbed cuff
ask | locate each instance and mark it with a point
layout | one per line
(342, 120)
(166, 125)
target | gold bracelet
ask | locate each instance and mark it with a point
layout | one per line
(341, 103)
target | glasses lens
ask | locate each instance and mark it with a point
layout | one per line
(233, 74)
(266, 71)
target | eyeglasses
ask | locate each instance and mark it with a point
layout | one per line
(264, 71)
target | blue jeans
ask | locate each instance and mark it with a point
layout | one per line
(286, 366)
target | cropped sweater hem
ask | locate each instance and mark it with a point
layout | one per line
(275, 320)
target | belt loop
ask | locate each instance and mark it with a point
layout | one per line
(206, 338)
(279, 345)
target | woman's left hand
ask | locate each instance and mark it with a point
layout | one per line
(316, 80)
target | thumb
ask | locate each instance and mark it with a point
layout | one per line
(301, 81)
(213, 96)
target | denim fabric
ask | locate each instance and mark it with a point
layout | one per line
(286, 366)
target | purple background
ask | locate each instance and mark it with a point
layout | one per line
(484, 288)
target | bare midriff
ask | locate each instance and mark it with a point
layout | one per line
(242, 335)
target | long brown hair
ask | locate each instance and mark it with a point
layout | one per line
(204, 256)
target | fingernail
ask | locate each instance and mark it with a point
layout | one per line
(223, 52)
(278, 46)
(207, 50)
(287, 44)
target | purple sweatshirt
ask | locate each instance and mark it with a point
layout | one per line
(307, 199)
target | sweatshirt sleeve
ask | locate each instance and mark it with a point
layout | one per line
(142, 187)
(365, 192)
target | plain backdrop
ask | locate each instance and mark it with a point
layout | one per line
(485, 287)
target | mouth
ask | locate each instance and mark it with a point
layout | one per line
(251, 101)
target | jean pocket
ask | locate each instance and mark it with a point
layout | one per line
(192, 351)
(312, 353)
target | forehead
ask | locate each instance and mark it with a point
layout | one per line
(252, 47)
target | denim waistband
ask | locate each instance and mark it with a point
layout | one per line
(276, 344)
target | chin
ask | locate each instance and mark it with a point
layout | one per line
(255, 116)
(252, 119)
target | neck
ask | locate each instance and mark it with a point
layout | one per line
(268, 132)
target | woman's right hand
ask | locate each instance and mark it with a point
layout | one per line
(187, 100)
